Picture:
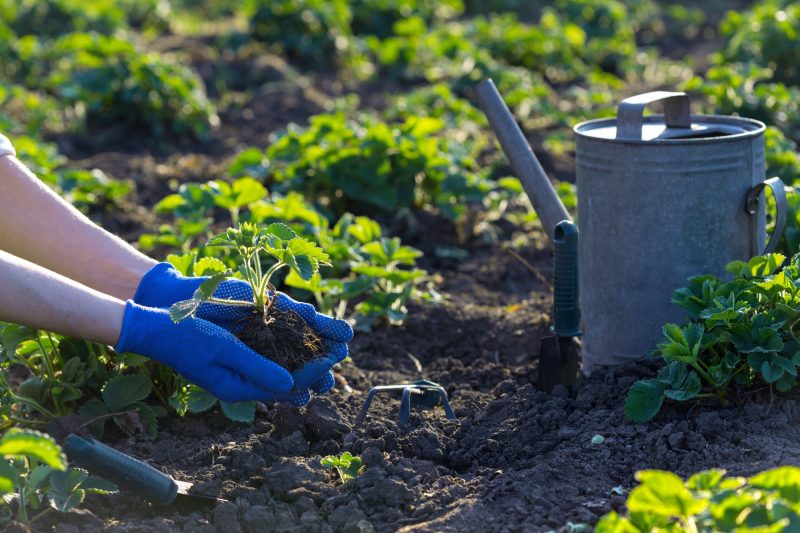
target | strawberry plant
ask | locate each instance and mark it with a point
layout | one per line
(116, 86)
(292, 343)
(710, 501)
(346, 465)
(741, 332)
(34, 474)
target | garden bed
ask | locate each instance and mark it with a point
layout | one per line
(516, 457)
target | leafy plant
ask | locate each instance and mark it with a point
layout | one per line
(710, 501)
(115, 85)
(741, 332)
(346, 465)
(367, 165)
(277, 241)
(33, 470)
(122, 401)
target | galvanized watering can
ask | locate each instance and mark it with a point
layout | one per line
(661, 198)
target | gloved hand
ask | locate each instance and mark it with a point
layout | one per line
(205, 354)
(162, 286)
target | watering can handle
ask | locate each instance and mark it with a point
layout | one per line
(630, 113)
(779, 193)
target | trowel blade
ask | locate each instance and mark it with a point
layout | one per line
(558, 362)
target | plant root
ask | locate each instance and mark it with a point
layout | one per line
(283, 337)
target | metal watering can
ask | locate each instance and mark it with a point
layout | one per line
(661, 198)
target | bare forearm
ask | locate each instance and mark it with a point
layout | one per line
(41, 227)
(33, 296)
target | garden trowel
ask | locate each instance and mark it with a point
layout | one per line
(558, 355)
(130, 473)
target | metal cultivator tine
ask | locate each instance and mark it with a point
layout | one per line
(423, 393)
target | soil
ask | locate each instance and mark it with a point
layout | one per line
(284, 337)
(515, 459)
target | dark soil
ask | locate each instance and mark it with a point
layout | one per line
(283, 337)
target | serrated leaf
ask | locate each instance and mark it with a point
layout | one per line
(120, 392)
(98, 485)
(644, 400)
(784, 479)
(93, 410)
(663, 493)
(199, 400)
(183, 263)
(65, 493)
(180, 311)
(240, 411)
(303, 247)
(207, 288)
(306, 267)
(38, 476)
(208, 266)
(32, 444)
(281, 231)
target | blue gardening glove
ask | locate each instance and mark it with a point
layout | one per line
(205, 354)
(162, 286)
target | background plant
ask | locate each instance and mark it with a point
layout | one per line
(741, 332)
(710, 501)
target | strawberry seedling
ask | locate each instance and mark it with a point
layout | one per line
(280, 335)
(346, 465)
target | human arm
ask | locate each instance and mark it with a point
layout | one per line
(41, 227)
(202, 352)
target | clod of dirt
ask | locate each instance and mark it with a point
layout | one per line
(283, 337)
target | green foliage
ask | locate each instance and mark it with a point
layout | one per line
(287, 249)
(53, 18)
(115, 85)
(346, 465)
(376, 17)
(741, 332)
(314, 32)
(367, 165)
(122, 401)
(710, 501)
(33, 471)
(766, 35)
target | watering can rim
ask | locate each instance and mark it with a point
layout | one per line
(751, 127)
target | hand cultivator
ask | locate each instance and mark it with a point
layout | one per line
(422, 393)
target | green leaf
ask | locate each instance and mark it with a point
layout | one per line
(240, 411)
(180, 311)
(200, 400)
(11, 336)
(34, 445)
(682, 343)
(683, 384)
(208, 266)
(92, 410)
(120, 392)
(98, 485)
(9, 476)
(613, 523)
(663, 493)
(644, 400)
(280, 230)
(706, 480)
(784, 479)
(183, 263)
(38, 476)
(306, 267)
(207, 288)
(65, 493)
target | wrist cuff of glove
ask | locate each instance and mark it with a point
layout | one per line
(5, 146)
(134, 331)
(162, 286)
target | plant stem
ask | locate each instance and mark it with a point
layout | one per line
(225, 301)
(262, 289)
(33, 403)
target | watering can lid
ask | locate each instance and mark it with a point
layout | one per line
(676, 124)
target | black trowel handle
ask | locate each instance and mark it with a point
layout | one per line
(127, 472)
